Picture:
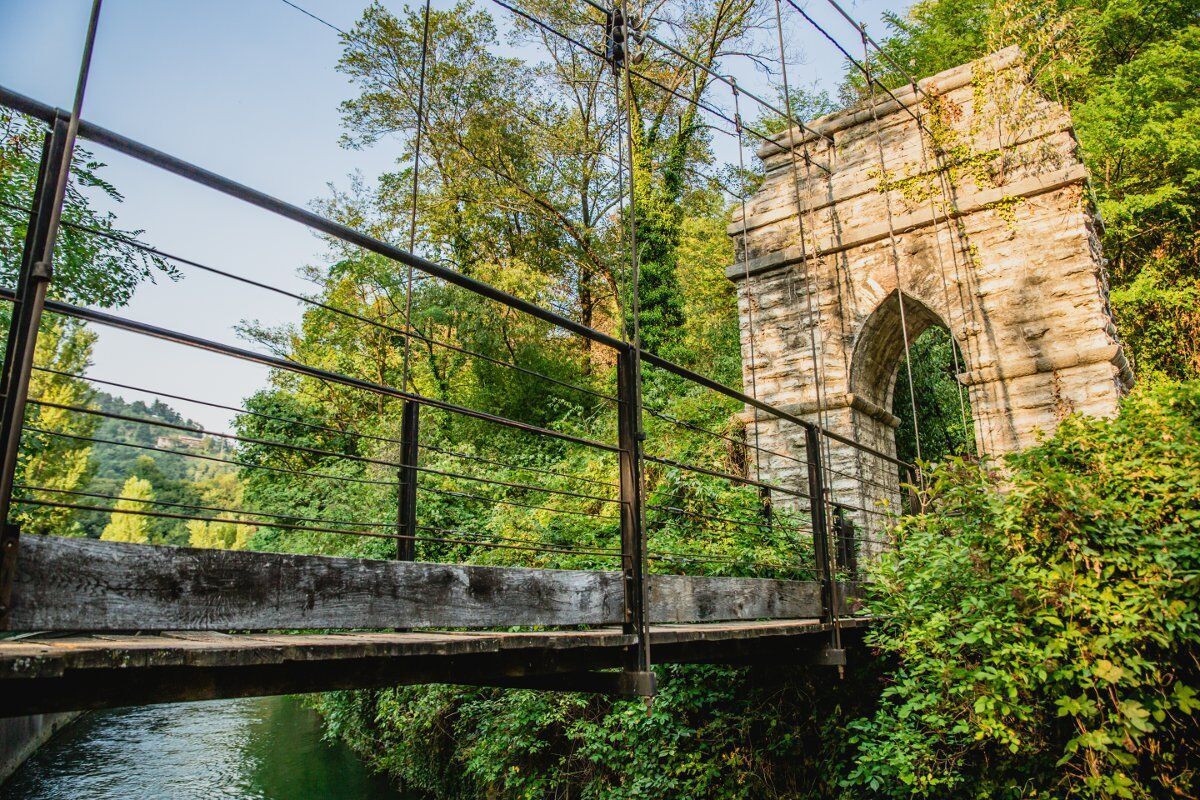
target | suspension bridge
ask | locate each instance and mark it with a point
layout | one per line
(833, 274)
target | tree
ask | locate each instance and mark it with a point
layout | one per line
(136, 495)
(50, 458)
(95, 263)
(225, 492)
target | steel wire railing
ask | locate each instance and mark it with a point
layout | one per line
(430, 494)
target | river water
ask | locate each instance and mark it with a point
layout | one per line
(266, 748)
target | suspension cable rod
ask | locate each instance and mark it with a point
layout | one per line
(895, 250)
(639, 75)
(727, 80)
(416, 182)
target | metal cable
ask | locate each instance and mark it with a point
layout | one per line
(737, 116)
(641, 76)
(714, 518)
(616, 553)
(293, 448)
(412, 224)
(895, 248)
(495, 542)
(483, 499)
(325, 428)
(409, 331)
(729, 81)
(217, 509)
(666, 462)
(177, 337)
(968, 439)
(701, 429)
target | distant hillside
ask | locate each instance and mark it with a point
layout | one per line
(175, 478)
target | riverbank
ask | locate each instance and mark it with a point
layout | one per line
(251, 749)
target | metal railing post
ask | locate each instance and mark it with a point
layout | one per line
(633, 533)
(406, 505)
(766, 505)
(33, 280)
(833, 655)
(820, 527)
(847, 549)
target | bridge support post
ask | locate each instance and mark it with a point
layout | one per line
(33, 281)
(822, 551)
(633, 532)
(406, 500)
(847, 547)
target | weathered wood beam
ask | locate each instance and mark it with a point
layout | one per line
(88, 585)
(107, 671)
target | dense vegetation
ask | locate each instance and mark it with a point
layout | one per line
(977, 705)
(1046, 622)
(1129, 72)
(1042, 639)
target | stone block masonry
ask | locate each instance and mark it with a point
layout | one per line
(991, 235)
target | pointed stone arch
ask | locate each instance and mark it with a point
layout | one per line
(879, 346)
(1008, 260)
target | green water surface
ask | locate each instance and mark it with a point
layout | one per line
(254, 749)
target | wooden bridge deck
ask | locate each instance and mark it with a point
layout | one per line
(110, 624)
(43, 673)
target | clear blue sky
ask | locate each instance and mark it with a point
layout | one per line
(246, 88)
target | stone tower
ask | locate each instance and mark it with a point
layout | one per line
(982, 223)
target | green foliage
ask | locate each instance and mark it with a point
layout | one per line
(943, 411)
(49, 457)
(808, 103)
(130, 527)
(94, 264)
(223, 491)
(512, 191)
(712, 732)
(1128, 71)
(88, 268)
(1139, 131)
(1045, 620)
(175, 476)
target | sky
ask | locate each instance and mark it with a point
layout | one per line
(248, 89)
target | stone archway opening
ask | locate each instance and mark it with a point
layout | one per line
(879, 381)
(943, 408)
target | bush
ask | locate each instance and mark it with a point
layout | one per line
(1043, 619)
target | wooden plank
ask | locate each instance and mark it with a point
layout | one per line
(133, 652)
(84, 672)
(680, 598)
(88, 585)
